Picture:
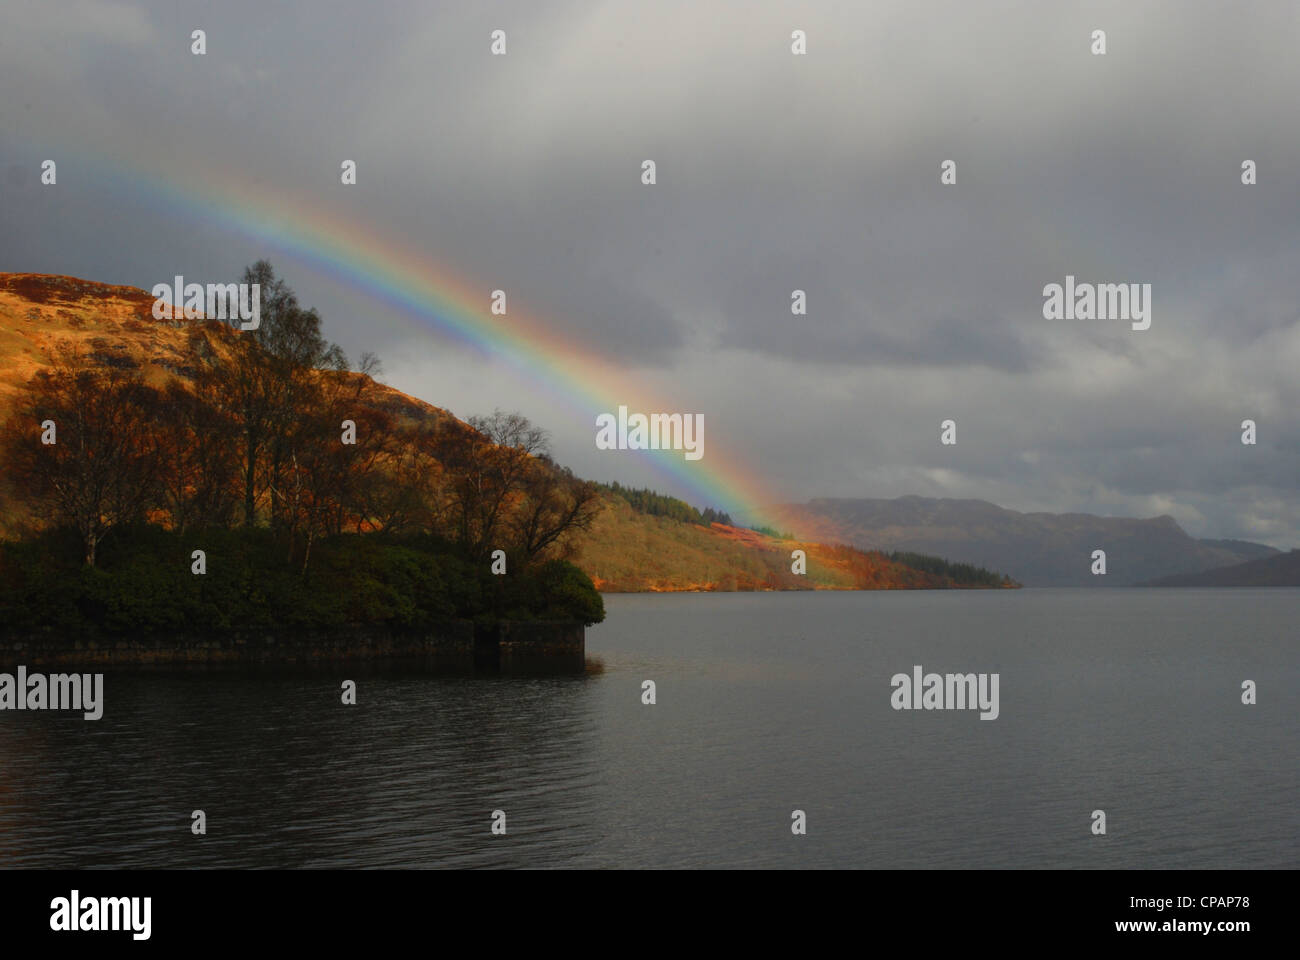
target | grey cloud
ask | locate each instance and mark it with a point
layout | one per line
(775, 173)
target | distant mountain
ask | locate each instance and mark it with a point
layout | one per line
(1243, 548)
(1037, 549)
(1279, 570)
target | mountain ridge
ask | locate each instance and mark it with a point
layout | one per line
(1279, 570)
(1036, 548)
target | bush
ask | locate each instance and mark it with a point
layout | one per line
(143, 584)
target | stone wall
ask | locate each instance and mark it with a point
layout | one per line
(530, 645)
(454, 641)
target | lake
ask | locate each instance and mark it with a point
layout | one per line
(1125, 700)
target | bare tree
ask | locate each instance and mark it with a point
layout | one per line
(325, 481)
(554, 505)
(198, 473)
(506, 492)
(405, 490)
(486, 466)
(263, 379)
(102, 468)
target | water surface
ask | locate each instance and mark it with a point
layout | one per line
(1127, 701)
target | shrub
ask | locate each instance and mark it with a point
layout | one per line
(143, 583)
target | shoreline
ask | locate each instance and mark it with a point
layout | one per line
(504, 644)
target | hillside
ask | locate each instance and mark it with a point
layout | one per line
(625, 550)
(1038, 549)
(1278, 570)
(115, 325)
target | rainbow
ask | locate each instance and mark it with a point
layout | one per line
(435, 298)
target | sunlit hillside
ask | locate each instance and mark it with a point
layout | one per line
(624, 550)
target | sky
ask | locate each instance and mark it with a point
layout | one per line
(774, 172)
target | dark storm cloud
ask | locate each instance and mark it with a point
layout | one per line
(775, 173)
